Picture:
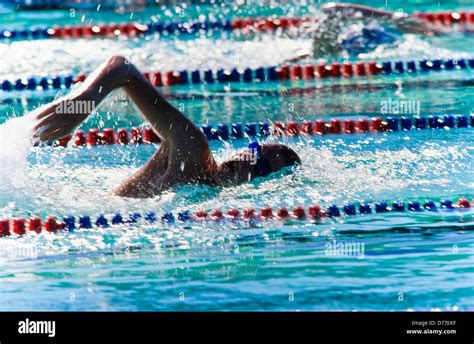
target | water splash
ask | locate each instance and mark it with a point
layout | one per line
(15, 144)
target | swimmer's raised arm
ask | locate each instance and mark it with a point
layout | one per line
(169, 123)
(116, 72)
(53, 121)
(188, 157)
(184, 154)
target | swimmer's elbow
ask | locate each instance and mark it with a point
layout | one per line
(133, 190)
(141, 185)
(125, 191)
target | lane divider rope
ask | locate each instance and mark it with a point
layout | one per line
(261, 74)
(78, 4)
(235, 131)
(315, 213)
(460, 18)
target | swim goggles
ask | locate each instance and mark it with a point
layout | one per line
(262, 167)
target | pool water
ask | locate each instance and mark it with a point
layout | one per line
(409, 260)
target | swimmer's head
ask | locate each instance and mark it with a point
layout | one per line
(259, 160)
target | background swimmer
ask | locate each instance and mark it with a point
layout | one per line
(354, 29)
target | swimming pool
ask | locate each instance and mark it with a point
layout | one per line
(407, 260)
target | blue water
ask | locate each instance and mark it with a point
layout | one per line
(404, 261)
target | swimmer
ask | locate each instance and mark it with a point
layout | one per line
(334, 33)
(183, 157)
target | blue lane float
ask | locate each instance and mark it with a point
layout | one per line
(133, 29)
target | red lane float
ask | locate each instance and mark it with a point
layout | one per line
(299, 213)
(137, 136)
(335, 126)
(233, 214)
(335, 70)
(217, 214)
(249, 213)
(321, 127)
(374, 68)
(93, 137)
(51, 225)
(35, 224)
(279, 128)
(283, 213)
(122, 136)
(347, 70)
(360, 69)
(464, 203)
(108, 136)
(349, 126)
(284, 72)
(309, 72)
(293, 128)
(266, 212)
(19, 226)
(323, 71)
(4, 227)
(363, 125)
(297, 72)
(379, 125)
(307, 127)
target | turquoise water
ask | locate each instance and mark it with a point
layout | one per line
(420, 261)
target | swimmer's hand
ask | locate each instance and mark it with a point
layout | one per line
(56, 120)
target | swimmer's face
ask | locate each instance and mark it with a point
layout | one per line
(244, 167)
(238, 169)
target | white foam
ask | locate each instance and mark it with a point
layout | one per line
(15, 144)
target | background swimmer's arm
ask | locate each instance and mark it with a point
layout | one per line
(298, 57)
(404, 22)
(350, 10)
(410, 24)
